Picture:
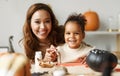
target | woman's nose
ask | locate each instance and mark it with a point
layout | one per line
(42, 25)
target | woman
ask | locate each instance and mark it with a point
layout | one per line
(39, 31)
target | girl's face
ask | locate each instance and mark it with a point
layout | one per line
(41, 24)
(73, 35)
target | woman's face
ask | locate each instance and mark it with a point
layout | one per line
(41, 24)
(73, 35)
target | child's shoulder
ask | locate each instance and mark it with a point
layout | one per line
(88, 45)
(61, 47)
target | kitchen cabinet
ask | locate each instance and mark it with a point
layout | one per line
(117, 34)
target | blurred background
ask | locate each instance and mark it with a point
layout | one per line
(13, 12)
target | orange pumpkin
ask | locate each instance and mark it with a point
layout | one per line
(92, 21)
(14, 63)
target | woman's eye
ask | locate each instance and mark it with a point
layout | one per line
(38, 22)
(48, 21)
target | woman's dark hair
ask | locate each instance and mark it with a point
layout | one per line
(60, 35)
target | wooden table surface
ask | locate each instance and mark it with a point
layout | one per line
(77, 71)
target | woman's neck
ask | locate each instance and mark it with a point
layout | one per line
(44, 42)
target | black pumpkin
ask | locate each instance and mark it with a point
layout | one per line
(98, 60)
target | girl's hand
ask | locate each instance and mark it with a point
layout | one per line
(81, 60)
(51, 54)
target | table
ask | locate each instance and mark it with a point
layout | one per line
(78, 70)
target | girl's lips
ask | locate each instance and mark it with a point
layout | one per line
(72, 41)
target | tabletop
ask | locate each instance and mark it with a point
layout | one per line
(74, 70)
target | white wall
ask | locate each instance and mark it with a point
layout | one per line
(12, 16)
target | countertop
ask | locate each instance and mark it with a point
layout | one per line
(75, 70)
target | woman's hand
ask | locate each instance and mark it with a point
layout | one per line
(51, 54)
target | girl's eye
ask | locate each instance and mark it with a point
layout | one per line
(67, 33)
(77, 33)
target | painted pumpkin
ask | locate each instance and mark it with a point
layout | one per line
(92, 23)
(14, 64)
(100, 60)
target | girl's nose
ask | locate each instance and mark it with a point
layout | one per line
(71, 35)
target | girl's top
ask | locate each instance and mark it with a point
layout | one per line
(66, 54)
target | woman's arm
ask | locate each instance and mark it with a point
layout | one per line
(51, 54)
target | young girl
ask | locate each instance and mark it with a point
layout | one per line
(74, 49)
